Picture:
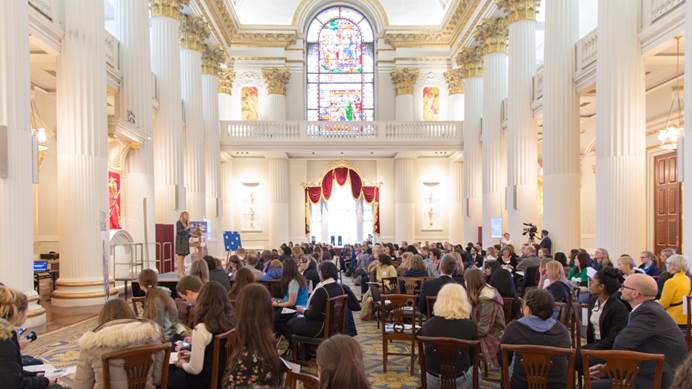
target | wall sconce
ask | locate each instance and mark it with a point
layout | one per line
(431, 200)
(251, 215)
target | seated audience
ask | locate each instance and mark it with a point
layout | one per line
(312, 322)
(578, 274)
(502, 280)
(649, 330)
(340, 364)
(508, 259)
(648, 264)
(561, 257)
(217, 273)
(432, 287)
(601, 259)
(13, 314)
(557, 284)
(489, 268)
(537, 328)
(242, 278)
(252, 262)
(285, 252)
(452, 313)
(115, 320)
(417, 268)
(475, 258)
(310, 271)
(405, 265)
(188, 289)
(158, 304)
(385, 269)
(233, 266)
(491, 253)
(295, 294)
(200, 269)
(627, 266)
(432, 265)
(528, 259)
(683, 375)
(212, 317)
(675, 289)
(254, 360)
(664, 276)
(488, 313)
(274, 271)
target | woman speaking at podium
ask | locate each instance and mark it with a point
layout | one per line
(183, 231)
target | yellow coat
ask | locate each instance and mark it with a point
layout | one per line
(674, 291)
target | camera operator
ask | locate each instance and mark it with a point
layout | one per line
(545, 242)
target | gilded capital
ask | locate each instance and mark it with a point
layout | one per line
(404, 79)
(226, 77)
(517, 10)
(193, 32)
(493, 34)
(276, 80)
(471, 60)
(167, 8)
(455, 81)
(212, 58)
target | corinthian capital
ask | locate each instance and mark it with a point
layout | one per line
(193, 32)
(471, 60)
(519, 9)
(226, 77)
(404, 79)
(455, 81)
(212, 58)
(167, 8)
(492, 33)
(276, 80)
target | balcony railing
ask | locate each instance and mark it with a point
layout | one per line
(660, 8)
(264, 132)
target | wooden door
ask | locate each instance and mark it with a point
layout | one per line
(667, 203)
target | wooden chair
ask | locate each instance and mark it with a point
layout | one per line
(137, 361)
(412, 285)
(398, 315)
(274, 287)
(688, 329)
(622, 367)
(537, 362)
(334, 323)
(392, 282)
(508, 308)
(569, 316)
(136, 301)
(222, 342)
(308, 381)
(429, 304)
(448, 352)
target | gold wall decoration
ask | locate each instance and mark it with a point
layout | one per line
(212, 58)
(404, 79)
(193, 32)
(276, 80)
(455, 81)
(471, 60)
(226, 77)
(493, 35)
(167, 8)
(519, 9)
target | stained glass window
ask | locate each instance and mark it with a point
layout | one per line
(340, 66)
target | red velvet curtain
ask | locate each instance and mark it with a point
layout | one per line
(356, 184)
(369, 193)
(327, 183)
(313, 193)
(341, 174)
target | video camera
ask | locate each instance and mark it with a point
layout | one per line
(530, 230)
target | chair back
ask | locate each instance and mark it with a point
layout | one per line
(308, 381)
(274, 287)
(335, 319)
(429, 305)
(137, 362)
(412, 285)
(137, 301)
(389, 284)
(688, 329)
(508, 308)
(448, 351)
(398, 314)
(220, 354)
(569, 316)
(622, 367)
(537, 362)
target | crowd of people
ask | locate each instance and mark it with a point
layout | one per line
(630, 307)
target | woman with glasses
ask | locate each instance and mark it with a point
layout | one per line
(648, 260)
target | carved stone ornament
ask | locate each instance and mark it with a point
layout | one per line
(193, 32)
(455, 81)
(493, 34)
(276, 80)
(226, 77)
(167, 8)
(519, 9)
(471, 60)
(404, 79)
(212, 58)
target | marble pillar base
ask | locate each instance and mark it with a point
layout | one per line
(36, 314)
(79, 293)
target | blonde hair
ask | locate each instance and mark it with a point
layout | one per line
(8, 304)
(200, 269)
(406, 261)
(452, 302)
(676, 263)
(186, 222)
(627, 260)
(556, 267)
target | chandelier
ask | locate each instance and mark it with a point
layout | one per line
(668, 136)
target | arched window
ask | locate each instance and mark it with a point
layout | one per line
(340, 66)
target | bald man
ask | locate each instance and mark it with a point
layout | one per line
(649, 330)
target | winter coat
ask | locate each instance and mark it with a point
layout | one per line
(490, 318)
(11, 373)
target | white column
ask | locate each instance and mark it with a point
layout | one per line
(192, 33)
(404, 80)
(561, 172)
(132, 25)
(227, 193)
(404, 199)
(82, 156)
(472, 61)
(210, 114)
(276, 80)
(277, 169)
(620, 130)
(16, 229)
(456, 200)
(687, 142)
(522, 142)
(168, 121)
(493, 35)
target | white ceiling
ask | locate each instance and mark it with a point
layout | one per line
(399, 12)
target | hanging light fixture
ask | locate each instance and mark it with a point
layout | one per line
(668, 136)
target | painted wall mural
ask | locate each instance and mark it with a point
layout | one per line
(431, 103)
(249, 105)
(114, 215)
